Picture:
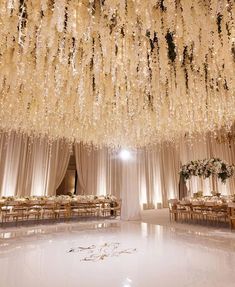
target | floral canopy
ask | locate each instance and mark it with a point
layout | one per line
(206, 168)
(117, 73)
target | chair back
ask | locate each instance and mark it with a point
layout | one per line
(172, 203)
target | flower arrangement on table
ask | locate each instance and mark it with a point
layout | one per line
(208, 167)
(59, 198)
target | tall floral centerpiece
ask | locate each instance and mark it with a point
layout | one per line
(207, 167)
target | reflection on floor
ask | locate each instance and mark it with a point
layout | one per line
(153, 252)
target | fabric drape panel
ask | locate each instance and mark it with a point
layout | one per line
(40, 166)
(3, 153)
(159, 175)
(102, 172)
(13, 147)
(87, 168)
(156, 187)
(225, 152)
(183, 190)
(114, 175)
(37, 167)
(170, 169)
(99, 171)
(58, 164)
(81, 157)
(49, 164)
(25, 171)
(31, 167)
(130, 187)
(156, 170)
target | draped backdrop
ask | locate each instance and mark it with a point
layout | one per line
(99, 171)
(31, 167)
(150, 176)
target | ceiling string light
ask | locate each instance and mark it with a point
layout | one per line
(116, 73)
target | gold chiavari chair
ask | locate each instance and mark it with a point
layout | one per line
(220, 213)
(198, 211)
(92, 209)
(184, 211)
(105, 209)
(34, 209)
(116, 208)
(207, 210)
(231, 214)
(79, 209)
(172, 205)
(12, 212)
(62, 209)
(212, 212)
(48, 208)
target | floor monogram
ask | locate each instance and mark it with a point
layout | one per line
(100, 252)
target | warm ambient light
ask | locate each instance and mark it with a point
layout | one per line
(141, 78)
(125, 154)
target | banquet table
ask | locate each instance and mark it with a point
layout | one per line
(22, 209)
(205, 209)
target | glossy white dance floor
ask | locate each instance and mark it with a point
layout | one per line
(117, 254)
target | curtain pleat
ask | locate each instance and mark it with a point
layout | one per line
(99, 171)
(31, 167)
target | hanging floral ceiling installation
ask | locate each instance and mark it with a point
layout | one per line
(117, 73)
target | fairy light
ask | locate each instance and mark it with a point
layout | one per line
(105, 73)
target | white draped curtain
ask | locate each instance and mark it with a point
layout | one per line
(102, 172)
(58, 164)
(151, 177)
(31, 167)
(130, 187)
(159, 175)
(99, 171)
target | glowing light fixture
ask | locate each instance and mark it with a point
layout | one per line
(125, 154)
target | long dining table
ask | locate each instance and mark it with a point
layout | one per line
(23, 209)
(204, 209)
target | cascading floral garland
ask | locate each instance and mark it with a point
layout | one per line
(207, 167)
(115, 72)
